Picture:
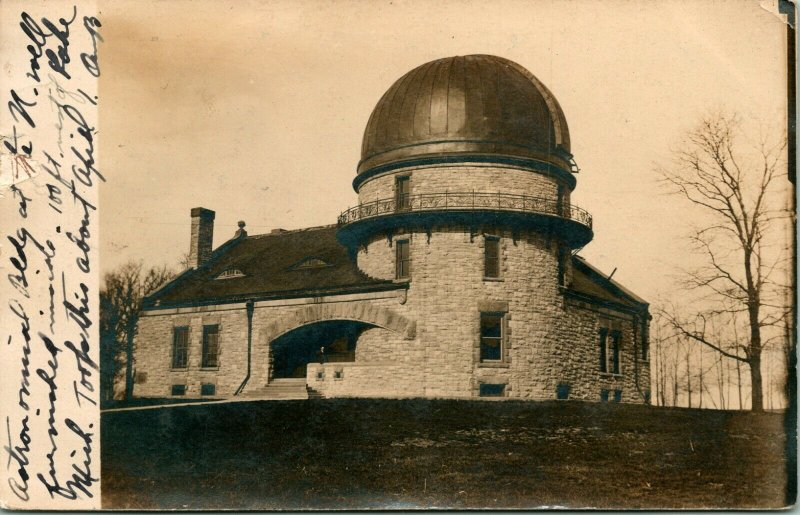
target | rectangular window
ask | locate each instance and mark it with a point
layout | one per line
(562, 391)
(210, 346)
(491, 337)
(613, 365)
(178, 389)
(563, 257)
(180, 347)
(610, 342)
(491, 257)
(403, 259)
(604, 395)
(617, 395)
(603, 349)
(208, 389)
(402, 189)
(491, 390)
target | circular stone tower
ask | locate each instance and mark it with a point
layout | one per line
(464, 192)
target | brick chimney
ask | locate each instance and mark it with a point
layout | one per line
(202, 238)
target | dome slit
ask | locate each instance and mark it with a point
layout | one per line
(439, 98)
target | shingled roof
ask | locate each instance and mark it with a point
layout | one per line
(589, 281)
(301, 263)
(311, 262)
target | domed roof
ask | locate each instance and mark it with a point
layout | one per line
(466, 106)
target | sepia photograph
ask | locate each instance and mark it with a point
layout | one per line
(399, 255)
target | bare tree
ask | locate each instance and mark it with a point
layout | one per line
(120, 303)
(736, 191)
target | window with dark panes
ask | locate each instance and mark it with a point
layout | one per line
(403, 259)
(210, 345)
(610, 342)
(603, 349)
(402, 189)
(178, 389)
(613, 365)
(491, 390)
(491, 257)
(208, 389)
(491, 337)
(180, 347)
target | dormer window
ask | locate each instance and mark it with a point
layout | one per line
(310, 262)
(230, 273)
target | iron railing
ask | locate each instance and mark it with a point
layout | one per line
(464, 202)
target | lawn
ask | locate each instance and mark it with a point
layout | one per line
(405, 454)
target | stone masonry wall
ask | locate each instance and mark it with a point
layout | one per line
(426, 339)
(154, 375)
(462, 178)
(153, 343)
(581, 324)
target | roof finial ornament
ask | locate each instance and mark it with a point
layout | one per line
(241, 233)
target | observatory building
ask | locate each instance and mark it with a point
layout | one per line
(455, 275)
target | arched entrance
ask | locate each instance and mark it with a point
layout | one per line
(319, 342)
(364, 313)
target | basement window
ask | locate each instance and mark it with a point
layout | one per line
(562, 391)
(178, 389)
(208, 389)
(491, 390)
(608, 395)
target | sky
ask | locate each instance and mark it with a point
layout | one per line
(256, 109)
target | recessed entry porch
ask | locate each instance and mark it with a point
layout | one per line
(333, 341)
(293, 348)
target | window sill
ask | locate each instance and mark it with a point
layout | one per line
(402, 280)
(209, 369)
(611, 375)
(493, 364)
(494, 279)
(179, 369)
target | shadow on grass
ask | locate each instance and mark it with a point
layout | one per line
(403, 454)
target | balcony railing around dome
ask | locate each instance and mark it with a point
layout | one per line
(465, 201)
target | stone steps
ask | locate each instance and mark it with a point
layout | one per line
(279, 389)
(314, 394)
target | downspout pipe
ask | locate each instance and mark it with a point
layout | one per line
(250, 308)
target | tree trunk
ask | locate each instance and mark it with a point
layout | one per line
(739, 382)
(129, 362)
(756, 383)
(702, 379)
(688, 377)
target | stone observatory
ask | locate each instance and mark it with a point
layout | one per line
(456, 274)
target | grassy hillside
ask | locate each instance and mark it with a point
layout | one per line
(440, 453)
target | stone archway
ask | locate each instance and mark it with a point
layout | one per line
(355, 311)
(285, 322)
